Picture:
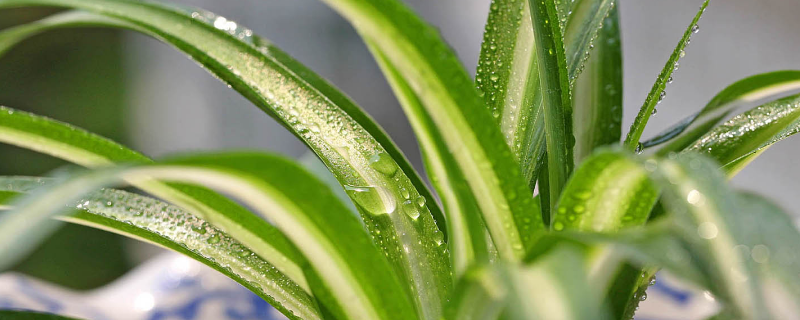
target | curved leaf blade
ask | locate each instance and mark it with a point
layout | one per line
(449, 98)
(467, 242)
(508, 79)
(732, 98)
(708, 216)
(657, 93)
(610, 191)
(149, 220)
(78, 146)
(586, 19)
(347, 273)
(739, 140)
(357, 151)
(556, 95)
(597, 93)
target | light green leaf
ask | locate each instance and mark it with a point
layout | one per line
(597, 93)
(657, 93)
(508, 79)
(610, 191)
(467, 242)
(743, 93)
(479, 295)
(586, 19)
(556, 95)
(774, 246)
(75, 145)
(448, 97)
(346, 272)
(739, 140)
(563, 289)
(709, 217)
(170, 227)
(361, 156)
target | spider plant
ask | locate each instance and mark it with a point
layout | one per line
(540, 210)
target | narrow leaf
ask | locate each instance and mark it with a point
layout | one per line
(347, 273)
(736, 142)
(508, 79)
(170, 227)
(358, 152)
(431, 69)
(580, 35)
(597, 93)
(740, 94)
(467, 240)
(657, 93)
(555, 94)
(78, 146)
(480, 295)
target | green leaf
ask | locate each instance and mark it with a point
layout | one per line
(479, 295)
(586, 19)
(467, 242)
(508, 73)
(556, 95)
(558, 276)
(431, 69)
(563, 289)
(597, 93)
(30, 315)
(774, 246)
(740, 94)
(739, 140)
(170, 227)
(711, 219)
(362, 157)
(508, 79)
(346, 272)
(657, 93)
(610, 191)
(78, 146)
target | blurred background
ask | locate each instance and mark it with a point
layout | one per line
(147, 95)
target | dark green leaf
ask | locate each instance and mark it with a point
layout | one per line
(597, 94)
(657, 93)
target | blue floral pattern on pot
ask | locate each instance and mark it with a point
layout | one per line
(173, 287)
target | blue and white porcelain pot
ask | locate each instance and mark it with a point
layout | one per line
(173, 287)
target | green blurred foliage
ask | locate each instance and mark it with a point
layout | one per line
(75, 76)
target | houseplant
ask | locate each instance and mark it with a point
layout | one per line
(543, 114)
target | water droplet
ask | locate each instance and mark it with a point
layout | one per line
(639, 148)
(682, 53)
(655, 111)
(676, 66)
(410, 209)
(582, 195)
(695, 29)
(558, 226)
(383, 163)
(421, 201)
(438, 238)
(670, 80)
(578, 208)
(494, 77)
(368, 199)
(652, 281)
(707, 230)
(213, 239)
(643, 297)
